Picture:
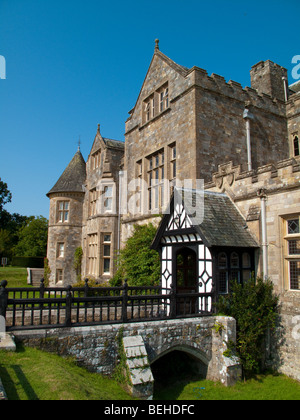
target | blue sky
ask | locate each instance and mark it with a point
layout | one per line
(73, 64)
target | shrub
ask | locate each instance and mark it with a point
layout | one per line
(78, 262)
(32, 262)
(255, 308)
(137, 262)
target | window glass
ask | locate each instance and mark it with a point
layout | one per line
(234, 260)
(222, 260)
(296, 146)
(246, 260)
(293, 226)
(294, 275)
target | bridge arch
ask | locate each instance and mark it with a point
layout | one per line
(185, 348)
(179, 361)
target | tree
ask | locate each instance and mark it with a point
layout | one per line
(255, 308)
(33, 238)
(5, 195)
(5, 242)
(9, 223)
(137, 262)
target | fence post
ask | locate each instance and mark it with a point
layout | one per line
(3, 298)
(173, 302)
(42, 288)
(124, 301)
(86, 288)
(42, 292)
(68, 320)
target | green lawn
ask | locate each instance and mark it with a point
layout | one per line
(16, 276)
(263, 387)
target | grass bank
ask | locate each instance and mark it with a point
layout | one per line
(32, 374)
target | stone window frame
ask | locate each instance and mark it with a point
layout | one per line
(163, 94)
(291, 254)
(96, 160)
(107, 196)
(59, 277)
(155, 180)
(93, 197)
(156, 103)
(63, 211)
(60, 250)
(93, 254)
(106, 244)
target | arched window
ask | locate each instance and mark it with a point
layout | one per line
(296, 146)
(222, 260)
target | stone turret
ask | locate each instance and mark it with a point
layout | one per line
(65, 221)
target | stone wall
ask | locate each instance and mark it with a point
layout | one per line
(293, 114)
(205, 120)
(280, 184)
(97, 347)
(286, 353)
(221, 127)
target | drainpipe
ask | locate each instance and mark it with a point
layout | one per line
(263, 200)
(247, 117)
(121, 186)
(285, 85)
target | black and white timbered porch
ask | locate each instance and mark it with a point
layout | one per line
(204, 244)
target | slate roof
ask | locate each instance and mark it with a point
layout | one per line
(73, 178)
(117, 144)
(222, 224)
(295, 87)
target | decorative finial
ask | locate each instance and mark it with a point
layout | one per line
(157, 44)
(98, 131)
(79, 143)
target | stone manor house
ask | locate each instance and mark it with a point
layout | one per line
(187, 126)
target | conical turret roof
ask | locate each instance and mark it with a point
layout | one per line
(73, 178)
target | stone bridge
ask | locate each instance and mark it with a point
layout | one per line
(100, 348)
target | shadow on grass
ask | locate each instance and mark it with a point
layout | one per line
(14, 379)
(10, 384)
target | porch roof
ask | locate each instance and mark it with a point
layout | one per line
(222, 224)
